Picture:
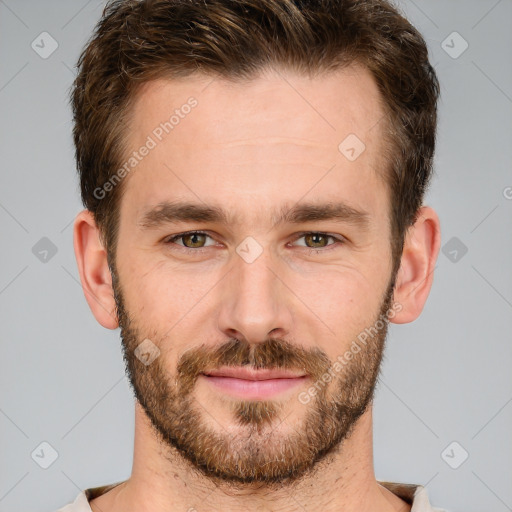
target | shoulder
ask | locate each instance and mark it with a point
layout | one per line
(81, 504)
(82, 501)
(414, 494)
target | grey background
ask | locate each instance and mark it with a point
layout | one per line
(446, 376)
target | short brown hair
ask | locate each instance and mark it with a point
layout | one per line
(140, 40)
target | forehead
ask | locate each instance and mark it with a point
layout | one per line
(280, 132)
(319, 109)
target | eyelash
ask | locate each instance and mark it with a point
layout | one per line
(339, 240)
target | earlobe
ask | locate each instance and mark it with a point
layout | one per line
(93, 268)
(416, 273)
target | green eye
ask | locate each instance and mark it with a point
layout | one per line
(316, 238)
(191, 240)
(194, 241)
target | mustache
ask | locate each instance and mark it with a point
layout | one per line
(273, 353)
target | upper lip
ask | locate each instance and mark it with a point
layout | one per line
(252, 374)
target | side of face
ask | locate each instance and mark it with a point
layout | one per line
(256, 150)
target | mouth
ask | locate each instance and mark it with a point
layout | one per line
(252, 384)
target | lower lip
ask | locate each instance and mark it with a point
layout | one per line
(254, 389)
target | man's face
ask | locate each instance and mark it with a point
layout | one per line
(276, 285)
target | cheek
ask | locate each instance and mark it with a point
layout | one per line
(344, 301)
(161, 295)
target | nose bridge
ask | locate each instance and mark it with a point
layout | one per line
(253, 304)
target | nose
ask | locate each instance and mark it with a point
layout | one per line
(255, 303)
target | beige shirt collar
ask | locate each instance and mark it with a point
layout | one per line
(413, 494)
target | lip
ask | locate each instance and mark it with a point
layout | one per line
(251, 384)
(252, 374)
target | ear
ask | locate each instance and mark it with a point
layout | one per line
(93, 268)
(416, 272)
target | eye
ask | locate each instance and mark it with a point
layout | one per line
(191, 240)
(318, 240)
(195, 241)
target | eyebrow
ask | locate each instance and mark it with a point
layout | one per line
(168, 212)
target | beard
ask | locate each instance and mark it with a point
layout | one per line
(256, 451)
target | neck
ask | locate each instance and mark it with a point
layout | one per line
(161, 481)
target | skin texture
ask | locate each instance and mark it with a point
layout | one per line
(254, 149)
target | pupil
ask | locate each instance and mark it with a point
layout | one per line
(194, 238)
(316, 237)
